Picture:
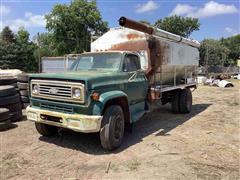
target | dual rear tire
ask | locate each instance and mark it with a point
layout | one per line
(182, 101)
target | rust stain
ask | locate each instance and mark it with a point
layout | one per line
(164, 49)
(133, 36)
(158, 56)
(131, 46)
(157, 50)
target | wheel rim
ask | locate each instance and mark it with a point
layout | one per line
(118, 127)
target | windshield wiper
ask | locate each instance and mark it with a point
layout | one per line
(93, 69)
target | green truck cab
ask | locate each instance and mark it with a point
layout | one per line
(103, 92)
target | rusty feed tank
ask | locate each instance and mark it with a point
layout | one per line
(166, 58)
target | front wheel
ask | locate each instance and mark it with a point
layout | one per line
(112, 131)
(46, 130)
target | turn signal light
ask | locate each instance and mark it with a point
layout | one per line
(95, 96)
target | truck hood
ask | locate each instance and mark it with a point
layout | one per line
(91, 78)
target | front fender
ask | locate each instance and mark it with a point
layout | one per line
(98, 106)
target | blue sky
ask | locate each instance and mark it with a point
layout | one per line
(218, 18)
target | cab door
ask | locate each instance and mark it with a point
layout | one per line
(136, 84)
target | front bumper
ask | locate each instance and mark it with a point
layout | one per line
(75, 122)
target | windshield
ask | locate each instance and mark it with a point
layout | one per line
(97, 61)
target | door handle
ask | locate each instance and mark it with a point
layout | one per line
(132, 77)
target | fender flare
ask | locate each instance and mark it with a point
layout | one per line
(98, 107)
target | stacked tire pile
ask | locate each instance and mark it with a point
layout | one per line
(5, 121)
(10, 105)
(23, 88)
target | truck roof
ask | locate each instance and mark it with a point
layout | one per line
(112, 51)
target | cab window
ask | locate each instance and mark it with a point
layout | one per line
(131, 63)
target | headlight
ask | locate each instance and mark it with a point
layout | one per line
(35, 89)
(76, 93)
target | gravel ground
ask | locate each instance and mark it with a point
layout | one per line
(201, 145)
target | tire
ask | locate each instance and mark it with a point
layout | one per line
(4, 114)
(7, 91)
(23, 93)
(112, 131)
(22, 78)
(5, 125)
(16, 116)
(24, 99)
(46, 130)
(185, 101)
(13, 107)
(22, 86)
(8, 81)
(175, 102)
(14, 84)
(9, 100)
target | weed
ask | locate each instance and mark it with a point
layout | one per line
(133, 165)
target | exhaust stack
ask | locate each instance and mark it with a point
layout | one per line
(125, 22)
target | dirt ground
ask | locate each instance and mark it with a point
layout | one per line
(201, 145)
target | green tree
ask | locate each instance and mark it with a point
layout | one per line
(182, 26)
(9, 54)
(16, 51)
(233, 44)
(22, 35)
(7, 35)
(213, 53)
(71, 26)
(26, 51)
(8, 49)
(45, 46)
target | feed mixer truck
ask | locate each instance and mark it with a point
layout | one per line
(129, 70)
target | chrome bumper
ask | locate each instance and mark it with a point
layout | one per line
(75, 122)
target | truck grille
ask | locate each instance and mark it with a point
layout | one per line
(53, 90)
(57, 90)
(56, 108)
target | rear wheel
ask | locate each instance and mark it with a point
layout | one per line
(112, 131)
(175, 102)
(45, 129)
(185, 101)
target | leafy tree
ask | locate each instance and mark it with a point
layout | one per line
(7, 35)
(233, 44)
(223, 52)
(213, 53)
(16, 51)
(71, 26)
(9, 54)
(182, 26)
(45, 45)
(8, 49)
(22, 35)
(26, 51)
